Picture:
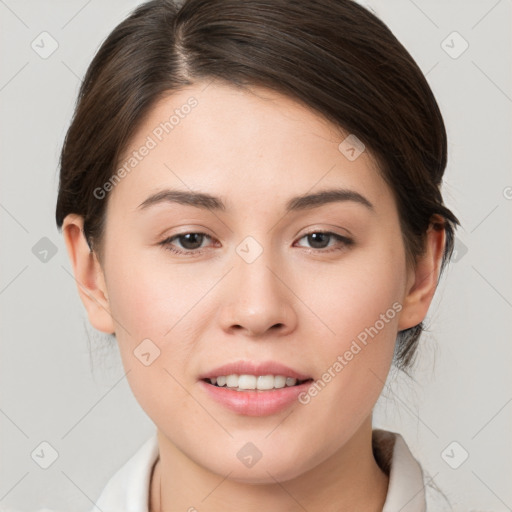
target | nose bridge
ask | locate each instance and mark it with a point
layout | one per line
(259, 299)
(256, 269)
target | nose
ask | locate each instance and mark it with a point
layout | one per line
(260, 299)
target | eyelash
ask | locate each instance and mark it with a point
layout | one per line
(196, 252)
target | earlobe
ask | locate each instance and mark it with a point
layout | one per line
(88, 275)
(423, 279)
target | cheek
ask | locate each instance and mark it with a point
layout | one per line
(155, 301)
(362, 305)
(351, 296)
(156, 311)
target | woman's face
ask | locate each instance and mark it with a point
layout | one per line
(261, 289)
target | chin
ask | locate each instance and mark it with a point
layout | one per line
(264, 471)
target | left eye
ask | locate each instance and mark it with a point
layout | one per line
(191, 242)
(318, 238)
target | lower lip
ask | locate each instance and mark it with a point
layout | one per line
(254, 402)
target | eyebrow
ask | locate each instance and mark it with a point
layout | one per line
(210, 202)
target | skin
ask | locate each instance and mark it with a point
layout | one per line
(256, 150)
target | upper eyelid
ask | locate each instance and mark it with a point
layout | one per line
(325, 231)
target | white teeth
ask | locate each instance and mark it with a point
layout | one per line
(279, 381)
(232, 381)
(266, 382)
(246, 381)
(260, 382)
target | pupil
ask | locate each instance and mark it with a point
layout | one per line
(188, 237)
(314, 238)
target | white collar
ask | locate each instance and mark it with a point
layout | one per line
(406, 488)
(128, 489)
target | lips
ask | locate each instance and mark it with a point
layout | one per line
(254, 389)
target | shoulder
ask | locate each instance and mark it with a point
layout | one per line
(128, 488)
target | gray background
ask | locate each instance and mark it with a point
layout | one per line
(60, 381)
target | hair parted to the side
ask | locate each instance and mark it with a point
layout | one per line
(333, 56)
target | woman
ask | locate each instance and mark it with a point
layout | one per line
(250, 199)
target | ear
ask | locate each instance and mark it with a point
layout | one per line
(422, 280)
(88, 274)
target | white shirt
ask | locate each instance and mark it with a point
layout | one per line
(128, 489)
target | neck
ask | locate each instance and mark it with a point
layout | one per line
(348, 480)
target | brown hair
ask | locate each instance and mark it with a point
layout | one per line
(333, 56)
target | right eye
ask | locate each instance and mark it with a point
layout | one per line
(192, 240)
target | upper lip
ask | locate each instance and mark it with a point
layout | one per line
(254, 368)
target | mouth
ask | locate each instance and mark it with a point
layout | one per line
(246, 382)
(252, 388)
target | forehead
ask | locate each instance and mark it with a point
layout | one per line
(255, 145)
